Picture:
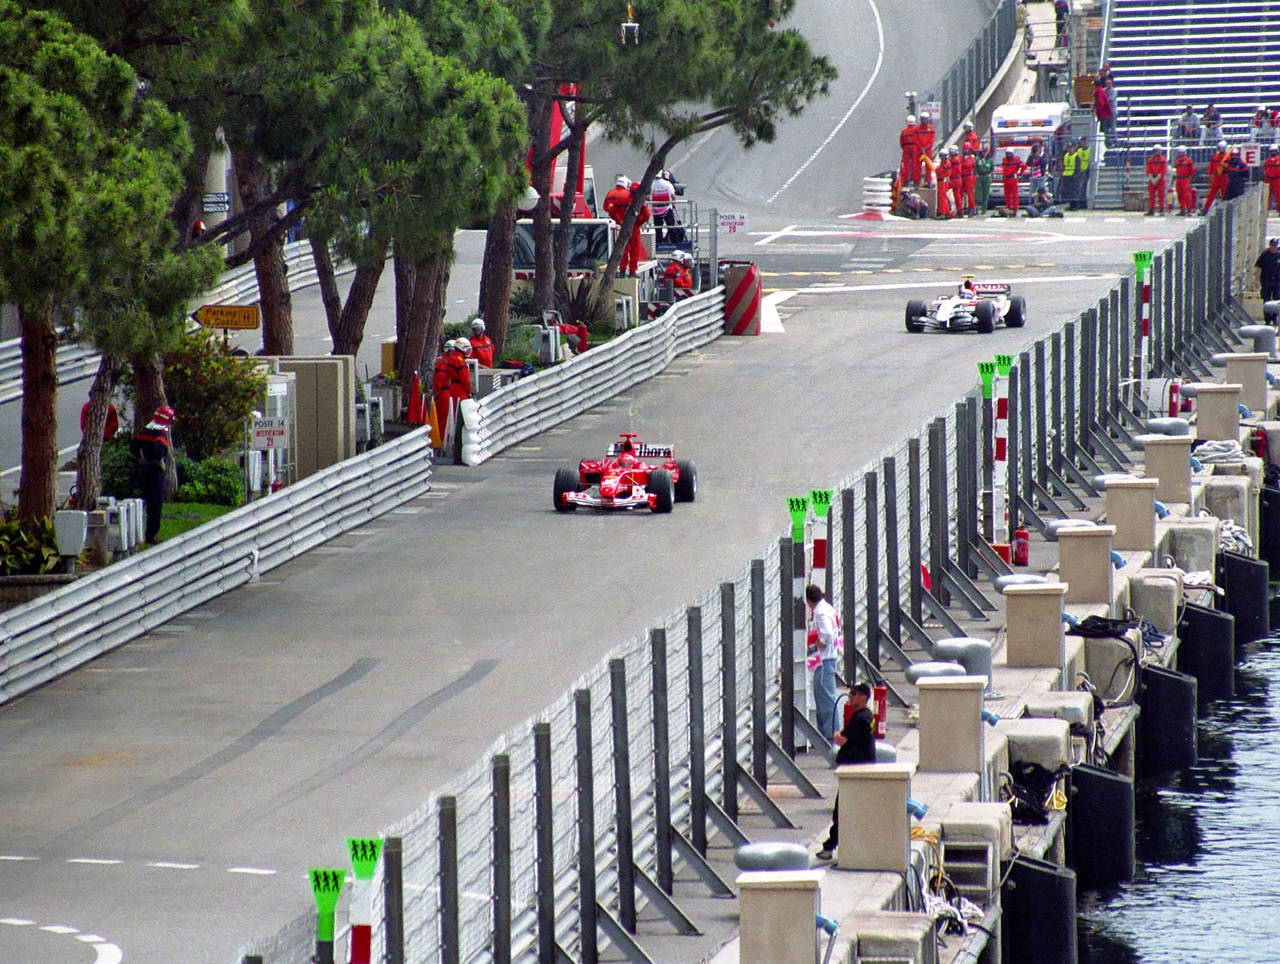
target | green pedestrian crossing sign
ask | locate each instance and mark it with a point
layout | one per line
(364, 853)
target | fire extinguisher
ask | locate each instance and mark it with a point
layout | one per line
(1175, 398)
(880, 700)
(1021, 547)
(1258, 442)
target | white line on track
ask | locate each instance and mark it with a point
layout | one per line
(172, 865)
(849, 289)
(101, 861)
(107, 952)
(257, 871)
(776, 234)
(16, 857)
(770, 320)
(849, 113)
(16, 921)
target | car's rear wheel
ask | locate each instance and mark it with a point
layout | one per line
(566, 481)
(984, 312)
(661, 485)
(916, 310)
(1017, 316)
(686, 481)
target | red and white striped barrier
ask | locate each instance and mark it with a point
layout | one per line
(742, 299)
(1001, 454)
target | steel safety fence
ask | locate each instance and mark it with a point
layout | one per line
(963, 84)
(578, 819)
(51, 635)
(533, 404)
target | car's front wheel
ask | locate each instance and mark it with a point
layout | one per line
(1017, 316)
(663, 488)
(916, 311)
(566, 481)
(984, 312)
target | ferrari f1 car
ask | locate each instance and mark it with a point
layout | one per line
(974, 307)
(631, 474)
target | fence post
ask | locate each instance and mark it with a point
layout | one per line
(1026, 429)
(393, 899)
(848, 585)
(729, 691)
(697, 733)
(1088, 375)
(544, 835)
(500, 770)
(871, 518)
(966, 451)
(759, 678)
(892, 568)
(450, 952)
(1012, 445)
(661, 758)
(1122, 342)
(1156, 314)
(586, 828)
(915, 512)
(622, 795)
(787, 645)
(1056, 415)
(939, 517)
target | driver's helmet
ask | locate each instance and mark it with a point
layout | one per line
(627, 448)
(966, 286)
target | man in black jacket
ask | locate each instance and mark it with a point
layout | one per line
(857, 743)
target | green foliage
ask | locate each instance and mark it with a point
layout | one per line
(215, 481)
(121, 475)
(27, 548)
(180, 517)
(213, 392)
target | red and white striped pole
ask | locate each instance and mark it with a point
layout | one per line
(1004, 365)
(364, 853)
(1141, 262)
(802, 675)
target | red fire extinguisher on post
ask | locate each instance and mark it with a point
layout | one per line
(1021, 547)
(880, 702)
(1175, 398)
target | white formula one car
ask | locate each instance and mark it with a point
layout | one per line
(974, 307)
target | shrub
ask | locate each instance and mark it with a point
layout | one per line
(27, 548)
(213, 391)
(121, 475)
(216, 481)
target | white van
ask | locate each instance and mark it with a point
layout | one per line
(1015, 127)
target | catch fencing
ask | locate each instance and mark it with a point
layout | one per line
(969, 76)
(60, 630)
(532, 405)
(549, 843)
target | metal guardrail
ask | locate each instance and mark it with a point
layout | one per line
(968, 77)
(53, 634)
(236, 287)
(534, 404)
(699, 702)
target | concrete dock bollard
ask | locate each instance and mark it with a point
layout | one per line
(776, 911)
(951, 727)
(1156, 596)
(1131, 509)
(1218, 412)
(1249, 370)
(1033, 625)
(1168, 460)
(1084, 564)
(875, 831)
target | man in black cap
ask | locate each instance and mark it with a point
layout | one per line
(1268, 265)
(857, 743)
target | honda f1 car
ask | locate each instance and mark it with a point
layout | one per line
(631, 474)
(974, 307)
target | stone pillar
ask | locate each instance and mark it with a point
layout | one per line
(951, 724)
(1034, 635)
(1131, 509)
(776, 910)
(1217, 414)
(1084, 563)
(1249, 370)
(1168, 460)
(875, 831)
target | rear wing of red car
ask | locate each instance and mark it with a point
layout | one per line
(642, 451)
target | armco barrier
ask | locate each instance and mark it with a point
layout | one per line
(236, 287)
(57, 632)
(700, 699)
(534, 404)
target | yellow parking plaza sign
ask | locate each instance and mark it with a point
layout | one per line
(240, 317)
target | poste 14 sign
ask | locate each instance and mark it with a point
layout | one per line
(271, 432)
(732, 222)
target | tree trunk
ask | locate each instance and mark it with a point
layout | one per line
(329, 296)
(89, 452)
(148, 395)
(406, 276)
(269, 264)
(604, 285)
(348, 333)
(412, 346)
(36, 488)
(541, 168)
(495, 276)
(568, 201)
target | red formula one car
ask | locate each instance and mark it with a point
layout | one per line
(631, 474)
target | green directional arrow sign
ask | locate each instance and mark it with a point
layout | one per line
(326, 886)
(364, 853)
(1004, 365)
(820, 499)
(798, 506)
(1142, 260)
(987, 371)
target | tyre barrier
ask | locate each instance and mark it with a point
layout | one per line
(877, 194)
(742, 301)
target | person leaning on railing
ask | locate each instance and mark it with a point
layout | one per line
(1186, 129)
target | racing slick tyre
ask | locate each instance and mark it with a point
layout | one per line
(984, 312)
(1017, 316)
(566, 481)
(687, 483)
(916, 309)
(660, 485)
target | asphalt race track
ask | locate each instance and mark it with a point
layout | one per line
(167, 799)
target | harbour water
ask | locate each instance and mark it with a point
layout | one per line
(1208, 844)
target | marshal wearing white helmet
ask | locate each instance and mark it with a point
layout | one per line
(481, 344)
